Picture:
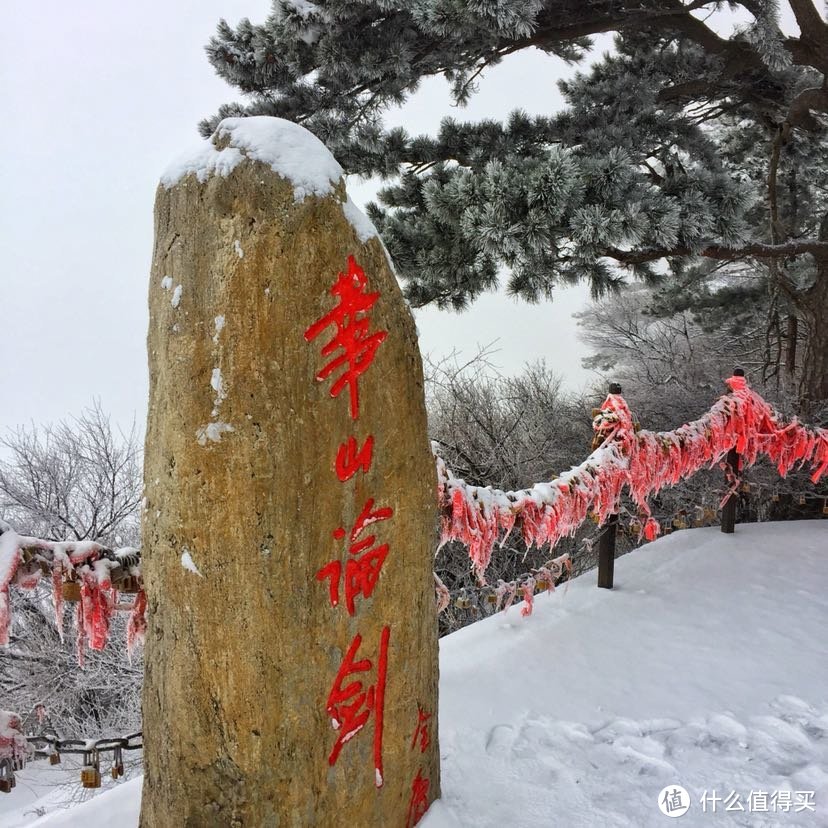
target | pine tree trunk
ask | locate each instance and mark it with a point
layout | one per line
(791, 338)
(814, 310)
(814, 385)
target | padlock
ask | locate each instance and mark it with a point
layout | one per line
(91, 771)
(775, 497)
(462, 602)
(90, 777)
(825, 509)
(54, 758)
(71, 591)
(117, 764)
(596, 412)
(541, 585)
(491, 598)
(7, 781)
(745, 487)
(129, 585)
(802, 500)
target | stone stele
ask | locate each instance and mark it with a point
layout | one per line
(245, 648)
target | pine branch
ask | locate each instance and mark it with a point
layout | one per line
(758, 250)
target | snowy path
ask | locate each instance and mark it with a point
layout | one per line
(706, 667)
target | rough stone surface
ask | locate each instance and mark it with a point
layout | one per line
(241, 502)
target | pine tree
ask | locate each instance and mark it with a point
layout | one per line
(668, 154)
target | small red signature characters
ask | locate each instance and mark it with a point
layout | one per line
(362, 571)
(418, 804)
(421, 733)
(350, 704)
(357, 347)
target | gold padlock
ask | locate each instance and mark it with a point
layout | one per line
(90, 777)
(541, 585)
(491, 598)
(54, 758)
(129, 585)
(117, 763)
(463, 603)
(71, 591)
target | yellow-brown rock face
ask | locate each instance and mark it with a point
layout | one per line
(291, 656)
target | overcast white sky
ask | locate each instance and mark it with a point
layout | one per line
(99, 96)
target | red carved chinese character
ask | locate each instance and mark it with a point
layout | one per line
(350, 704)
(366, 518)
(358, 346)
(349, 460)
(418, 804)
(421, 731)
(363, 570)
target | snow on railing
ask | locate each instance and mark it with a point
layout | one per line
(17, 748)
(643, 462)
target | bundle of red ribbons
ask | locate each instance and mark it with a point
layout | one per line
(643, 462)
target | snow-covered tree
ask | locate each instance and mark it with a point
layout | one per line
(79, 479)
(634, 176)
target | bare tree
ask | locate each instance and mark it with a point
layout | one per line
(509, 433)
(500, 431)
(77, 480)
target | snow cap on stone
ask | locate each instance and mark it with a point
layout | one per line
(288, 149)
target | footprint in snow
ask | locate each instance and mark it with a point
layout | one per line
(500, 739)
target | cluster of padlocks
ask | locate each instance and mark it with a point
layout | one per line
(48, 746)
(91, 770)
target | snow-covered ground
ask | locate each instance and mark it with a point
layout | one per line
(706, 667)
